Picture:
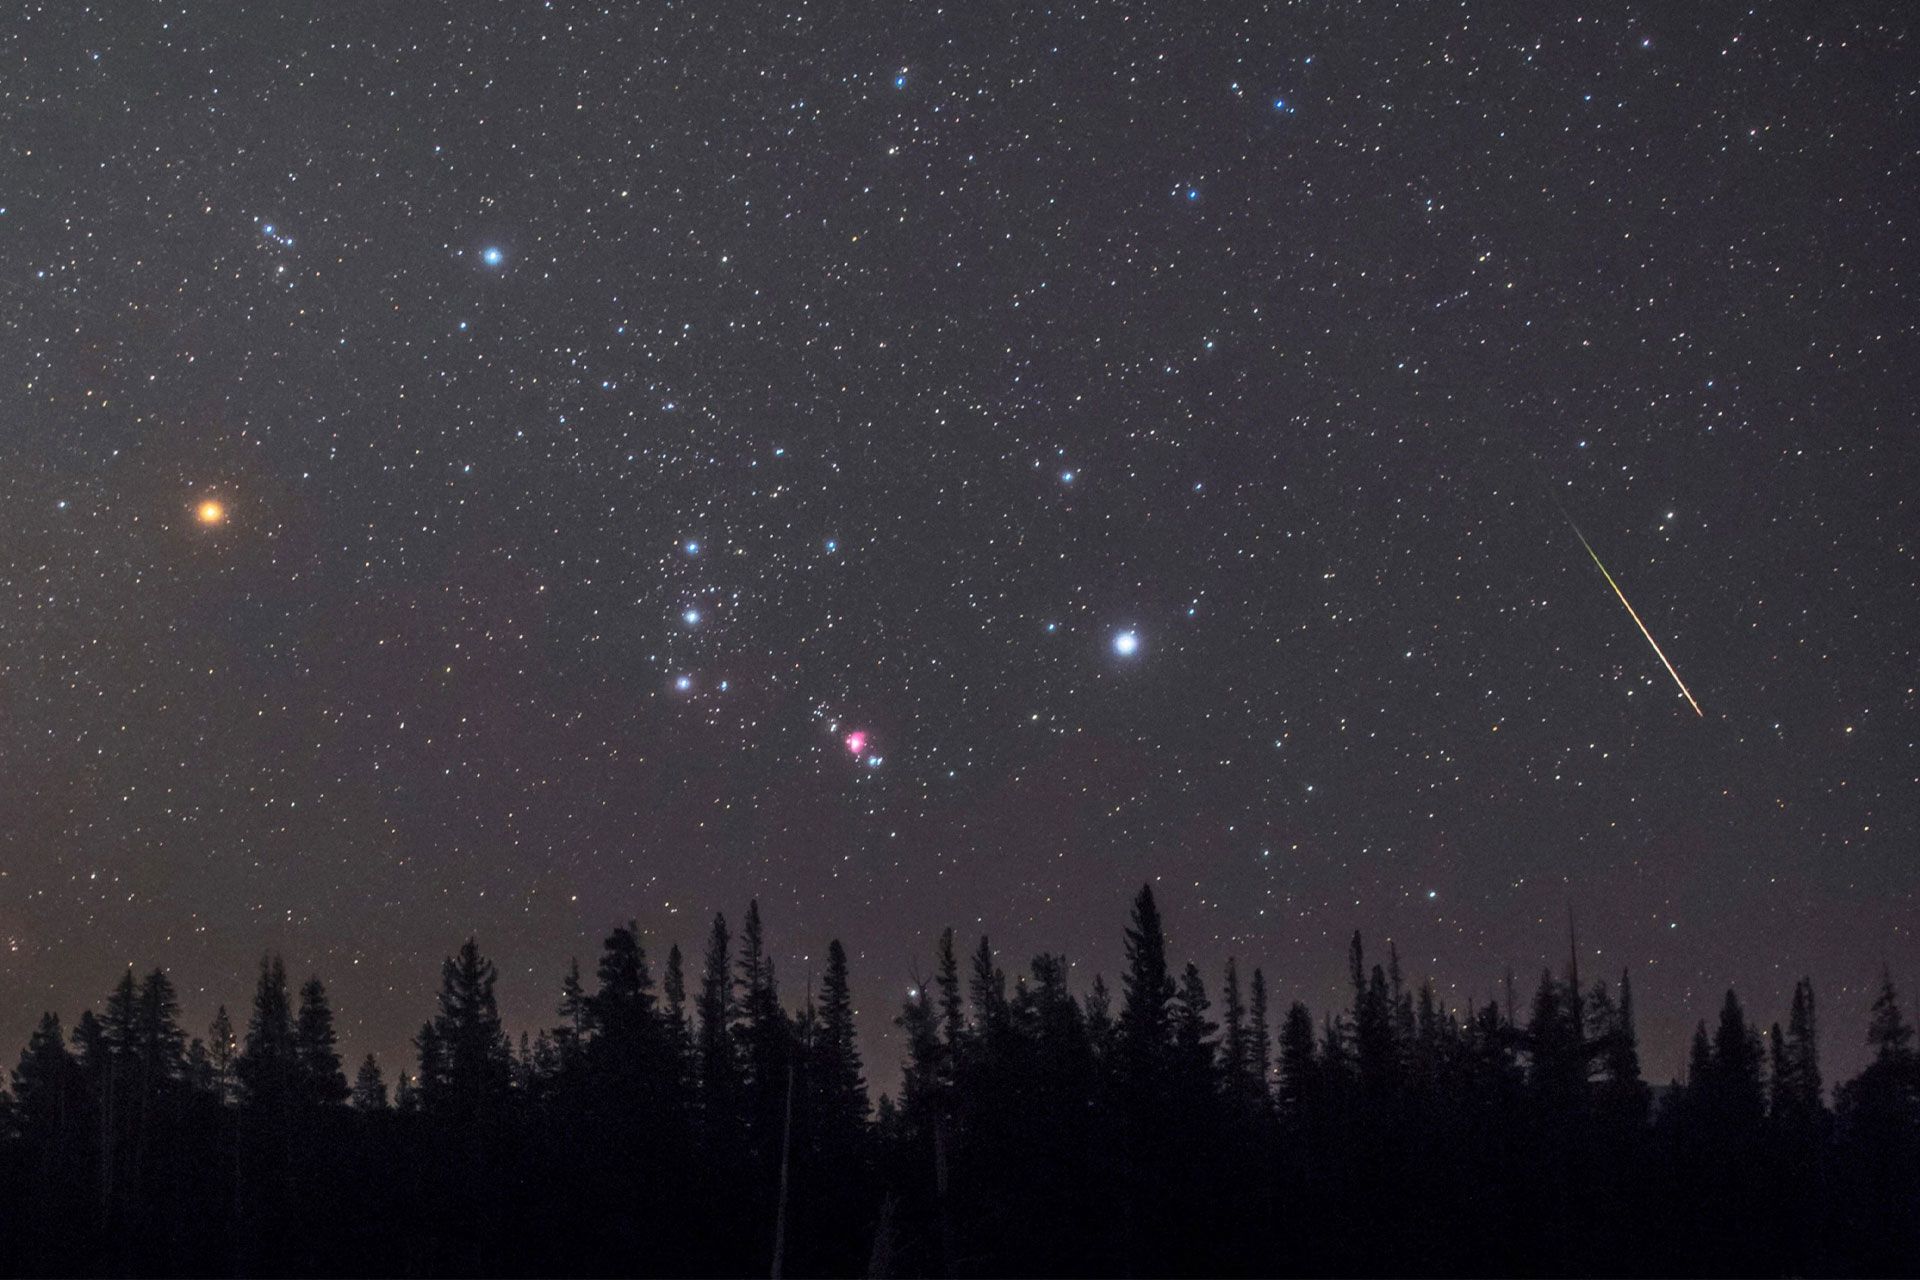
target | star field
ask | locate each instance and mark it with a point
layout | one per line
(511, 470)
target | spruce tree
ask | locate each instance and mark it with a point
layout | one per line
(1261, 1038)
(987, 988)
(1147, 990)
(1622, 1090)
(837, 1052)
(120, 1018)
(952, 1011)
(158, 1042)
(1193, 1031)
(267, 1066)
(620, 1013)
(1736, 1066)
(1887, 1031)
(44, 1080)
(719, 1065)
(571, 1034)
(465, 1061)
(223, 1050)
(1299, 1062)
(1099, 1014)
(673, 986)
(1803, 1049)
(369, 1088)
(1235, 1057)
(322, 1083)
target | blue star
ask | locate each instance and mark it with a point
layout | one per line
(691, 617)
(1127, 643)
(683, 683)
(900, 81)
(1066, 477)
(1283, 106)
(1193, 194)
(693, 547)
(833, 545)
(492, 256)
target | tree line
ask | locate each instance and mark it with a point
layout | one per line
(698, 1125)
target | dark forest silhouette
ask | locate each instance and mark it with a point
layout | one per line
(696, 1126)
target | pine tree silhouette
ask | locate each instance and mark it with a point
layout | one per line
(317, 1062)
(369, 1087)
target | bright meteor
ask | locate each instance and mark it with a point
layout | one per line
(1636, 618)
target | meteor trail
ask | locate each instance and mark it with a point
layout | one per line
(1636, 617)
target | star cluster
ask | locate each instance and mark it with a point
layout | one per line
(512, 474)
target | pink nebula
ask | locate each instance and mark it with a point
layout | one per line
(856, 742)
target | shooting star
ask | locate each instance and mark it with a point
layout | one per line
(1636, 617)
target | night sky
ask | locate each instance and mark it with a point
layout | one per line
(929, 466)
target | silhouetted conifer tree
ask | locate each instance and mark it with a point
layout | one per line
(369, 1087)
(1099, 1011)
(268, 1064)
(570, 1036)
(719, 1062)
(679, 1026)
(465, 1063)
(223, 1051)
(1193, 1031)
(843, 1090)
(1299, 1062)
(1261, 1037)
(1235, 1051)
(1147, 991)
(322, 1083)
(987, 988)
(953, 1017)
(1736, 1067)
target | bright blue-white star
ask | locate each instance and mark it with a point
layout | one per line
(691, 617)
(492, 255)
(692, 547)
(1127, 643)
(1193, 195)
(1066, 477)
(683, 683)
(900, 81)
